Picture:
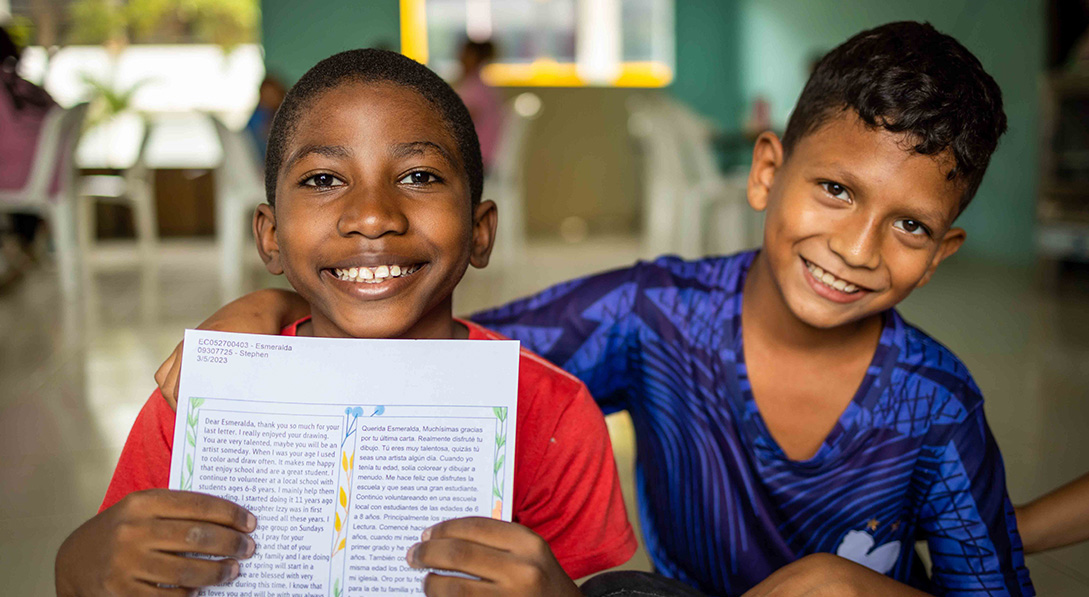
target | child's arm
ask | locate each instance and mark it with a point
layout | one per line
(508, 558)
(828, 574)
(137, 544)
(262, 312)
(1057, 519)
(966, 514)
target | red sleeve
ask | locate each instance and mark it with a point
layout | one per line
(564, 467)
(145, 460)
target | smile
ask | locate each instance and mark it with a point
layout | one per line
(374, 274)
(830, 280)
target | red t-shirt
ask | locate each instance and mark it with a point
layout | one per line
(565, 483)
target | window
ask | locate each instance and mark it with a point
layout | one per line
(568, 43)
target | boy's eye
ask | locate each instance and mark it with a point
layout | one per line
(323, 181)
(419, 177)
(836, 190)
(913, 227)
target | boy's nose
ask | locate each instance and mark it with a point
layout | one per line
(372, 213)
(858, 242)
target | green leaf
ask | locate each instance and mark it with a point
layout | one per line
(189, 463)
(503, 415)
(336, 587)
(197, 402)
(495, 492)
(192, 418)
(502, 441)
(189, 438)
(499, 463)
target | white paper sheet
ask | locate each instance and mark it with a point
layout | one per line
(345, 450)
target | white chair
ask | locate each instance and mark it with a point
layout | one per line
(505, 184)
(55, 153)
(714, 203)
(240, 188)
(664, 179)
(686, 196)
(134, 187)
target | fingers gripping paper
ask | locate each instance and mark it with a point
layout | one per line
(345, 450)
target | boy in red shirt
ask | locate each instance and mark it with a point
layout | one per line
(373, 177)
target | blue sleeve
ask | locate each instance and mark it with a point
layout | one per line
(967, 518)
(587, 326)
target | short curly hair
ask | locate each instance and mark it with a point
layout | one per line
(907, 77)
(374, 66)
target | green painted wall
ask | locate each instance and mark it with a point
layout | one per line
(297, 34)
(779, 37)
(708, 76)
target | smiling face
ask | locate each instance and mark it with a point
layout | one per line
(373, 223)
(855, 220)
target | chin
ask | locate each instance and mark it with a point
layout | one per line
(823, 318)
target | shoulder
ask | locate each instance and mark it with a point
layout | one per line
(724, 272)
(536, 375)
(921, 375)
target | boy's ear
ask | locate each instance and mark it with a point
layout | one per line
(767, 158)
(485, 218)
(949, 245)
(264, 231)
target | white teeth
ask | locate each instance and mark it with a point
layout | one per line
(373, 275)
(830, 280)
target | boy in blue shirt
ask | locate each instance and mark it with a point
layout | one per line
(783, 409)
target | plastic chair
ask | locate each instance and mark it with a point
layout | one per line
(710, 193)
(240, 188)
(505, 184)
(134, 187)
(55, 153)
(664, 178)
(686, 195)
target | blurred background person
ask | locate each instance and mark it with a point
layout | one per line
(23, 107)
(484, 101)
(269, 97)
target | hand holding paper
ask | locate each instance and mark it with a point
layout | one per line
(506, 559)
(146, 538)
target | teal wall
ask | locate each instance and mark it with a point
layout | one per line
(297, 34)
(708, 76)
(778, 38)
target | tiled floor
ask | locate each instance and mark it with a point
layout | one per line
(72, 378)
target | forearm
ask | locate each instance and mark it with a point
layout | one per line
(828, 574)
(264, 311)
(1056, 519)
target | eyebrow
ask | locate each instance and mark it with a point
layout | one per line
(332, 151)
(402, 150)
(932, 217)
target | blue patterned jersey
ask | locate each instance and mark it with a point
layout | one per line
(721, 505)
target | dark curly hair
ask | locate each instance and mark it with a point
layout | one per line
(907, 77)
(374, 66)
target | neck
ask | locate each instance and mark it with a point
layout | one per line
(765, 313)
